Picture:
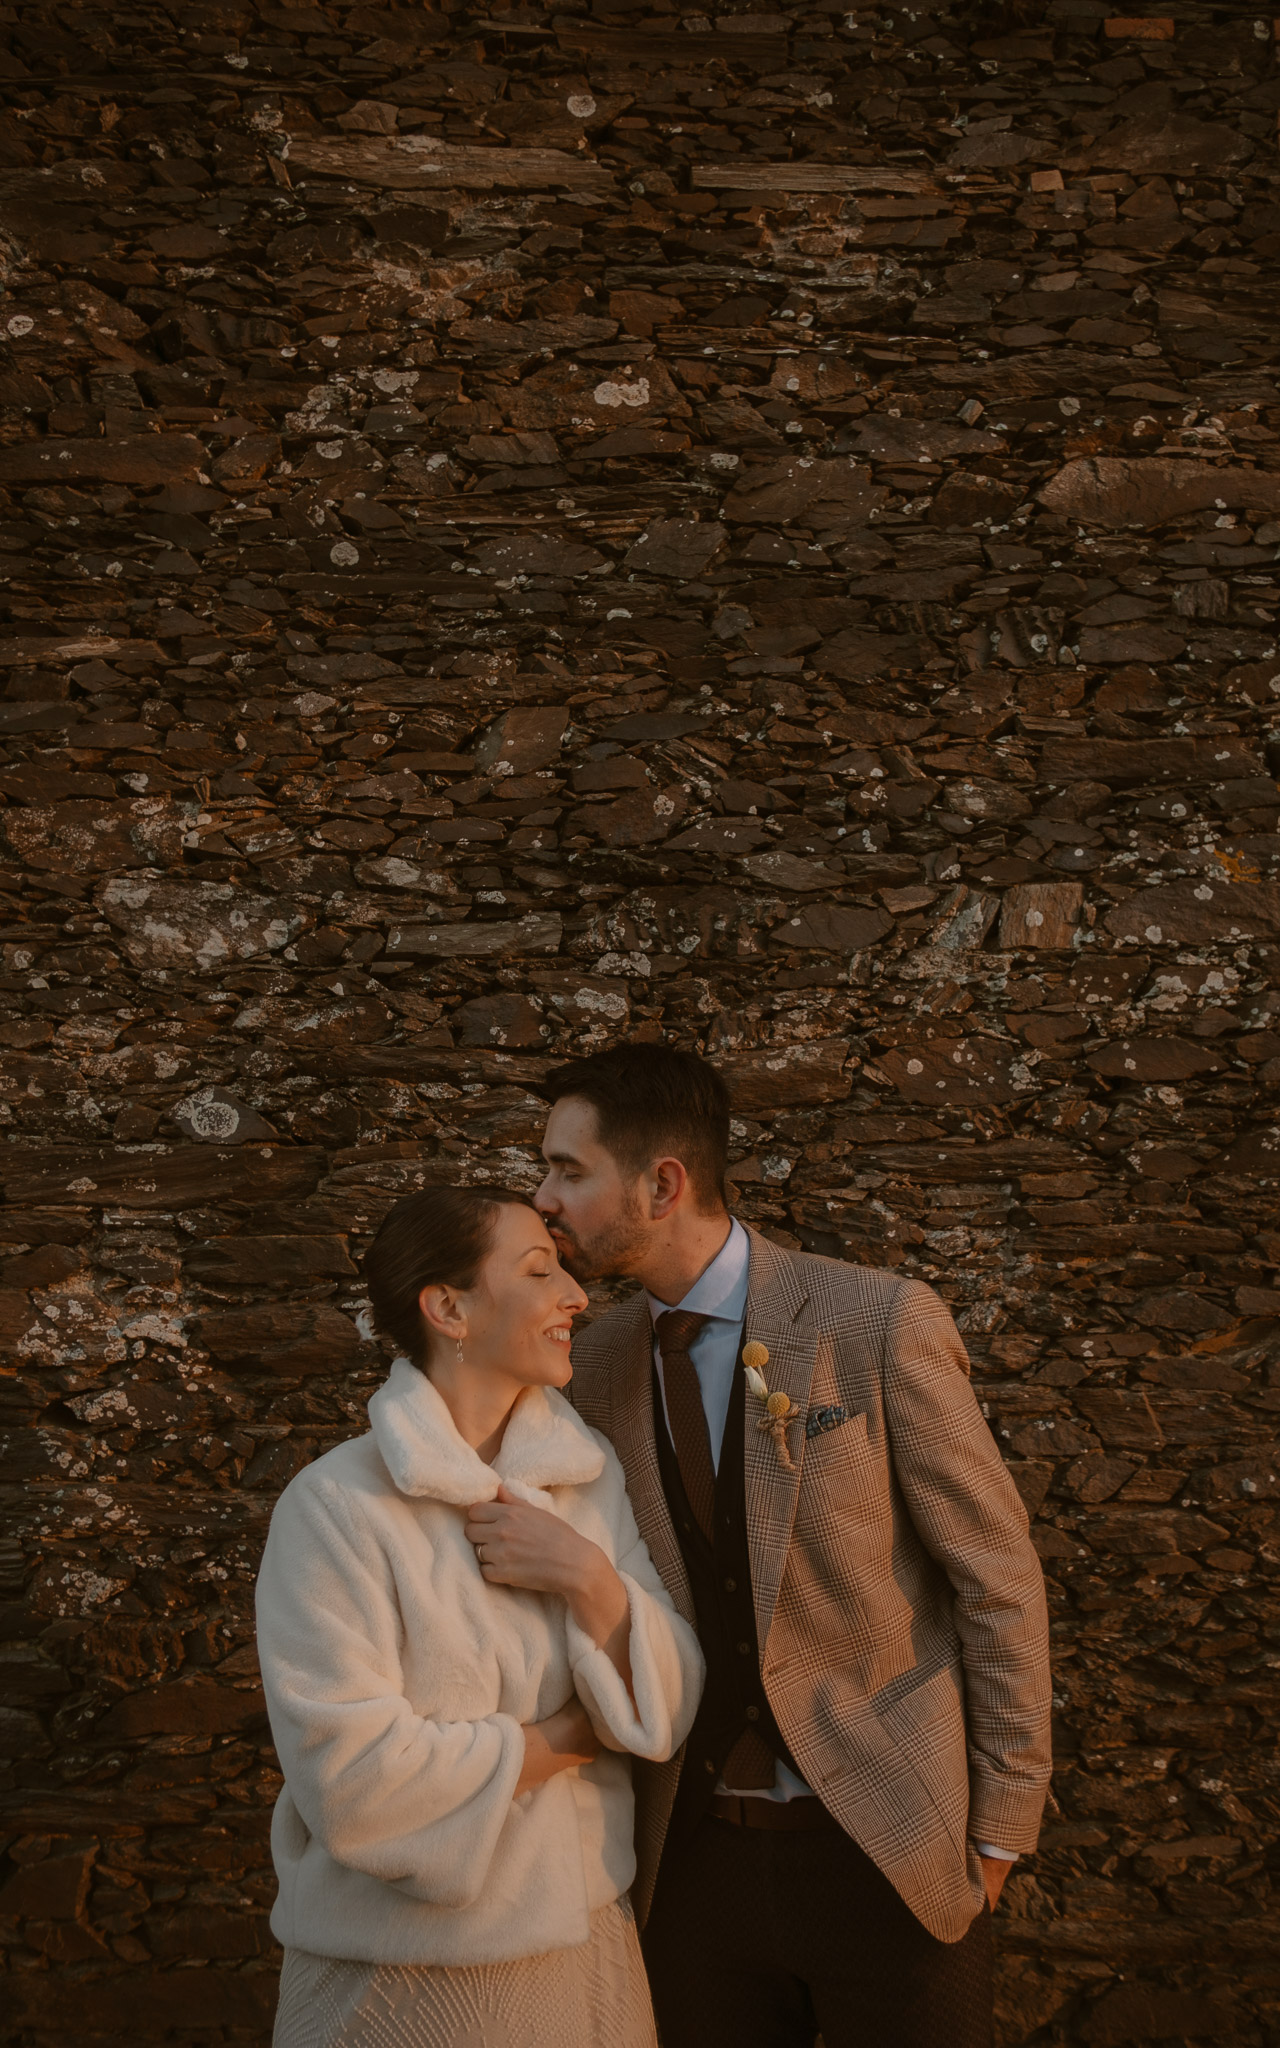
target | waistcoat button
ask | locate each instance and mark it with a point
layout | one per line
(753, 1713)
(744, 1649)
(731, 1585)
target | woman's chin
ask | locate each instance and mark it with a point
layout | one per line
(560, 1369)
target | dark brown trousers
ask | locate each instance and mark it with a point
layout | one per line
(767, 1940)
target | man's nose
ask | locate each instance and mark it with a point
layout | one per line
(544, 1201)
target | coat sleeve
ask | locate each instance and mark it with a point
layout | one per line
(970, 1518)
(417, 1803)
(666, 1664)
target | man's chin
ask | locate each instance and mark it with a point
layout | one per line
(581, 1264)
(577, 1264)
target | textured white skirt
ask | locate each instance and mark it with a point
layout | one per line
(594, 1996)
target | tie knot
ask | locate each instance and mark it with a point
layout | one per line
(677, 1328)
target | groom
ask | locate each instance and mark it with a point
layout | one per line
(872, 1750)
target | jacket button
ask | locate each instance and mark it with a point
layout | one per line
(744, 1649)
(753, 1713)
(731, 1585)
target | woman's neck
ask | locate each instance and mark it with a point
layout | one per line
(480, 1403)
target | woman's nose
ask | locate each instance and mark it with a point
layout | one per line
(573, 1299)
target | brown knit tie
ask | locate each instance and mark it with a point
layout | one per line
(676, 1329)
(750, 1765)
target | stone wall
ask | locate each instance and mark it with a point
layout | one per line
(525, 528)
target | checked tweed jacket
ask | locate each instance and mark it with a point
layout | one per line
(899, 1603)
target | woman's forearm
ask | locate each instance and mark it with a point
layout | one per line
(562, 1741)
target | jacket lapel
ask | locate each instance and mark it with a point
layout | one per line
(779, 1316)
(633, 1423)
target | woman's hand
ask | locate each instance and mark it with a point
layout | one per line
(519, 1545)
(556, 1744)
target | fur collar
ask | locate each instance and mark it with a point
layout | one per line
(546, 1444)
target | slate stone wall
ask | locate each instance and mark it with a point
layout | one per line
(524, 528)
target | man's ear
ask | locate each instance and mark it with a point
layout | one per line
(668, 1180)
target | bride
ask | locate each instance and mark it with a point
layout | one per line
(462, 1637)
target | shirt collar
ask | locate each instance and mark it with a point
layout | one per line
(720, 1290)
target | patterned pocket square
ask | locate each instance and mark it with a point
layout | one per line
(822, 1419)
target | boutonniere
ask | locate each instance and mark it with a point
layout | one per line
(780, 1410)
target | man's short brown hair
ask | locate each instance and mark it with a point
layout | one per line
(653, 1101)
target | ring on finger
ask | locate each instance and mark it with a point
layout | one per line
(480, 1556)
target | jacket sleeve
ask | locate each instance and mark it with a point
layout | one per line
(419, 1804)
(666, 1664)
(970, 1518)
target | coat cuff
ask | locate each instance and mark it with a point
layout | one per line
(1004, 1815)
(652, 1727)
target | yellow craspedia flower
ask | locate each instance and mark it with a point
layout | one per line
(754, 1355)
(778, 1404)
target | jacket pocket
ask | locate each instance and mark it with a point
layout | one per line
(927, 1725)
(840, 1467)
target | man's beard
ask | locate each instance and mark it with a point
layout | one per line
(612, 1254)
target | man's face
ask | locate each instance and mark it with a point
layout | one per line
(595, 1215)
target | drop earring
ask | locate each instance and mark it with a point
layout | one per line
(460, 1359)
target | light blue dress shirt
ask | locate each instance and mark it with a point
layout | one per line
(720, 1294)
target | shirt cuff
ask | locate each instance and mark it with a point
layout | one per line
(998, 1855)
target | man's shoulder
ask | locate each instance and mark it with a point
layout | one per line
(837, 1283)
(611, 1330)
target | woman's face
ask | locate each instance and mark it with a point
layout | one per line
(519, 1315)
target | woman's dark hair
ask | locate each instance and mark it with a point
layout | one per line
(650, 1100)
(437, 1238)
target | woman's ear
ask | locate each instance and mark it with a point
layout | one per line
(442, 1311)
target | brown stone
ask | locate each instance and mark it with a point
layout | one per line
(1154, 142)
(196, 1706)
(1148, 491)
(833, 928)
(218, 1118)
(1153, 1059)
(787, 1076)
(536, 933)
(143, 460)
(680, 548)
(952, 1070)
(196, 926)
(250, 1260)
(857, 653)
(288, 1341)
(522, 739)
(911, 440)
(161, 1177)
(55, 1888)
(500, 1020)
(1155, 760)
(805, 490)
(640, 818)
(1202, 913)
(1041, 915)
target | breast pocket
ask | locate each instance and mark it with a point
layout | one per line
(842, 1470)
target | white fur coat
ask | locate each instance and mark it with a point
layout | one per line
(398, 1683)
